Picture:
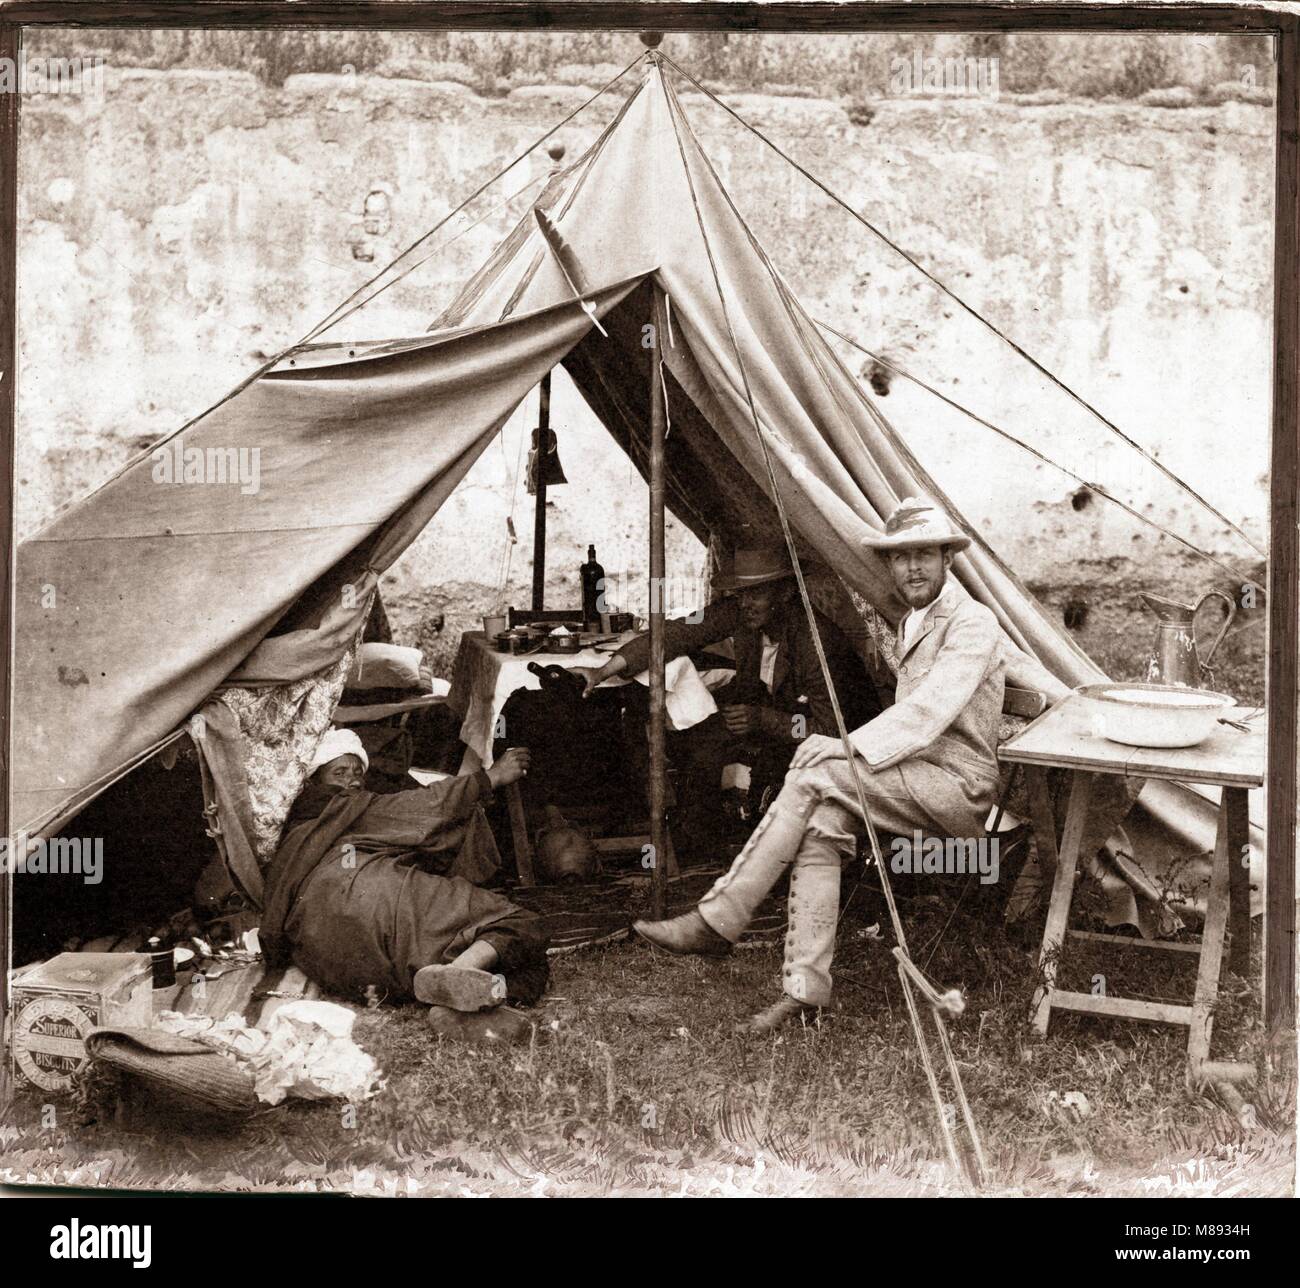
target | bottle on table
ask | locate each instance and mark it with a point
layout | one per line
(593, 578)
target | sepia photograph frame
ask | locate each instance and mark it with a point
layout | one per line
(1282, 649)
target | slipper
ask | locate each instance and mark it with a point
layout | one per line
(461, 988)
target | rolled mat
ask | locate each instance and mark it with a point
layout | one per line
(188, 1069)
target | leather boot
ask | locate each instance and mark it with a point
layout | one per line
(730, 905)
(689, 933)
(504, 1025)
(461, 988)
(814, 911)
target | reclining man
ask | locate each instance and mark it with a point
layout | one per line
(351, 902)
(777, 698)
(927, 761)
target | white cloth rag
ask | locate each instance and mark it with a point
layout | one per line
(305, 1051)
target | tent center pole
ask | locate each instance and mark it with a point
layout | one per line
(658, 705)
(539, 511)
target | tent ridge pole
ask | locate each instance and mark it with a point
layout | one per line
(658, 698)
(539, 510)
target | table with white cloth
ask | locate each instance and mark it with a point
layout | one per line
(483, 679)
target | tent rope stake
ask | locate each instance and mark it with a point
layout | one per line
(975, 1172)
(979, 317)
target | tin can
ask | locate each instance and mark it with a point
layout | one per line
(57, 1003)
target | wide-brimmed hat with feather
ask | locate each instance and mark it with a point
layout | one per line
(915, 522)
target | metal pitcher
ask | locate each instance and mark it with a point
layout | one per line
(1175, 659)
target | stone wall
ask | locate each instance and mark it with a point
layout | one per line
(188, 223)
(1122, 65)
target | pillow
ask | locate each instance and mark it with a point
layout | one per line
(386, 666)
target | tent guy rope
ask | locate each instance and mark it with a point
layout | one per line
(801, 323)
(799, 318)
(970, 309)
(353, 301)
(1098, 488)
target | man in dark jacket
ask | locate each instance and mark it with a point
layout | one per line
(777, 698)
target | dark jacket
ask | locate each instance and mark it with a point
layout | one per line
(797, 675)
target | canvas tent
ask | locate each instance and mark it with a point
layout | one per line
(136, 604)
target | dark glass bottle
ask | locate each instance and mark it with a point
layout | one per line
(593, 578)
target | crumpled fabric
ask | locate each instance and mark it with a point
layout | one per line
(483, 681)
(279, 729)
(306, 1051)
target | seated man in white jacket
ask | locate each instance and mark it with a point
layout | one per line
(928, 761)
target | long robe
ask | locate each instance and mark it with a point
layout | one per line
(348, 902)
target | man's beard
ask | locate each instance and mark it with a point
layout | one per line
(920, 596)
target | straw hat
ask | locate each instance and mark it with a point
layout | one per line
(194, 1074)
(916, 522)
(755, 565)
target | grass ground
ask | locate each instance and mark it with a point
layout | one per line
(634, 1083)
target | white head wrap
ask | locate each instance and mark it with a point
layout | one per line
(336, 743)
